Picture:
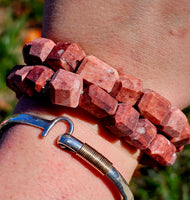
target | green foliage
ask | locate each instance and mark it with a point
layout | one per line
(20, 14)
(9, 44)
(17, 17)
(32, 8)
(167, 183)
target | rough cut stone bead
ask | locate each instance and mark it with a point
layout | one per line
(98, 102)
(162, 150)
(174, 123)
(127, 89)
(148, 161)
(65, 88)
(143, 134)
(124, 121)
(25, 52)
(95, 71)
(19, 80)
(180, 149)
(10, 82)
(39, 76)
(154, 107)
(36, 51)
(66, 56)
(183, 138)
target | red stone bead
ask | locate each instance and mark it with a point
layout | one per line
(143, 134)
(127, 89)
(162, 150)
(124, 121)
(66, 56)
(65, 88)
(154, 107)
(25, 51)
(10, 82)
(36, 51)
(180, 149)
(39, 76)
(98, 102)
(174, 123)
(183, 138)
(19, 80)
(95, 71)
(144, 159)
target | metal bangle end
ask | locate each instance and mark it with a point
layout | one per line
(85, 151)
(98, 161)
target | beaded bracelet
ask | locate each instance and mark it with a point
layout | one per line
(142, 118)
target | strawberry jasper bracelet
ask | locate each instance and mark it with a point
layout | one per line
(141, 117)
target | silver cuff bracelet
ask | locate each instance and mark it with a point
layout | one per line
(68, 142)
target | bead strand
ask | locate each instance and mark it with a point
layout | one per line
(68, 77)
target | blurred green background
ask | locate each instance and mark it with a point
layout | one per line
(21, 21)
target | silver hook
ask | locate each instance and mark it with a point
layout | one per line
(44, 124)
(98, 161)
(85, 151)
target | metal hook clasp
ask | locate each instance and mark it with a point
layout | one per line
(89, 154)
(98, 161)
(44, 124)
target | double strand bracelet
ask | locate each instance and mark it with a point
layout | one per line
(142, 118)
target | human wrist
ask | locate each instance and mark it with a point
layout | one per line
(48, 110)
(120, 44)
(88, 129)
(98, 88)
(69, 176)
(26, 139)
